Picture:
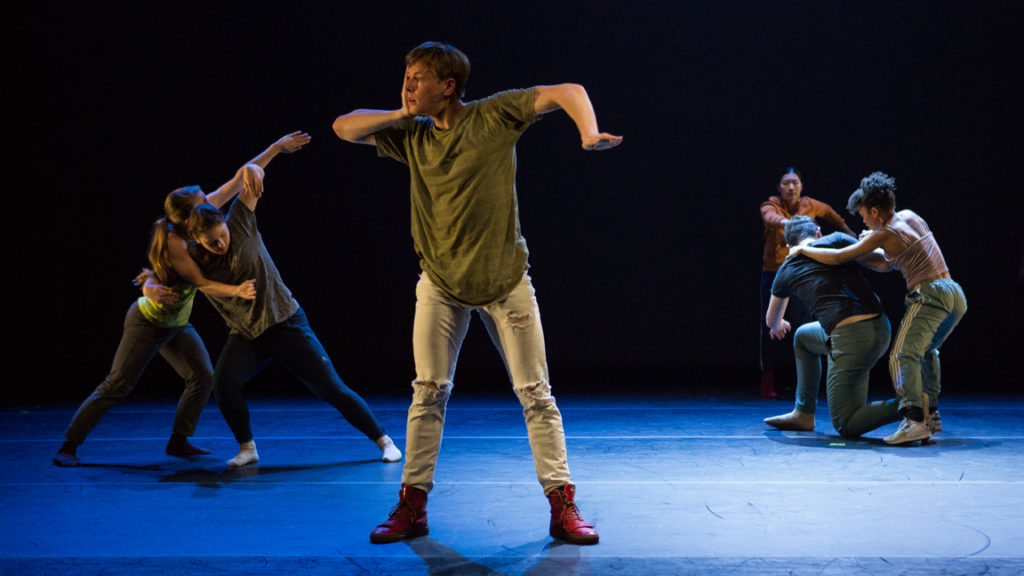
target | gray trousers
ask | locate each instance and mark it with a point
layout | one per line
(852, 351)
(141, 341)
(934, 309)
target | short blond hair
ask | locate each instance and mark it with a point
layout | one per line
(445, 60)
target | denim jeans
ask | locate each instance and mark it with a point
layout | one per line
(514, 326)
(852, 350)
(933, 310)
(296, 347)
(141, 341)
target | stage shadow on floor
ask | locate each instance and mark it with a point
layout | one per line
(911, 449)
(539, 558)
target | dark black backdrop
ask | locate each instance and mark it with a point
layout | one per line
(646, 258)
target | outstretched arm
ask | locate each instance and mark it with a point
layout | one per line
(836, 220)
(875, 260)
(247, 178)
(185, 267)
(574, 100)
(772, 216)
(843, 255)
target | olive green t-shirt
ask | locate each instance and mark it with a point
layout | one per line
(465, 214)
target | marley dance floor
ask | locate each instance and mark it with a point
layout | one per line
(674, 485)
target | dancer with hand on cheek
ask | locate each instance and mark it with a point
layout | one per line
(465, 227)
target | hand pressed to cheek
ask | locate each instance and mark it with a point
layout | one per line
(423, 93)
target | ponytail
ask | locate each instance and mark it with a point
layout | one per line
(159, 258)
(178, 206)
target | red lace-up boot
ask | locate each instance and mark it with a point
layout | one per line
(566, 523)
(408, 518)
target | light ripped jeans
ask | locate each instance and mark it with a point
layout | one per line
(515, 328)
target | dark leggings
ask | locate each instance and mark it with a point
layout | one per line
(295, 346)
(142, 340)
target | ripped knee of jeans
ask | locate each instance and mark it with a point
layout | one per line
(535, 396)
(519, 321)
(429, 392)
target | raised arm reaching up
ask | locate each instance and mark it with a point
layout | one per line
(246, 177)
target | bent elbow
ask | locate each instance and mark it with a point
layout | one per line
(574, 90)
(339, 128)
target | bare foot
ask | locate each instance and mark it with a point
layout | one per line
(66, 460)
(180, 446)
(795, 420)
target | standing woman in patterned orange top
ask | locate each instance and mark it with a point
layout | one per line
(775, 213)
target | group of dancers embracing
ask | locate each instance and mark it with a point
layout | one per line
(465, 228)
(196, 246)
(851, 329)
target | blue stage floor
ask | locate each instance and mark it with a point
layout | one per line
(674, 485)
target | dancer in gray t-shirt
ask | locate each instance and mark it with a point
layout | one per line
(272, 326)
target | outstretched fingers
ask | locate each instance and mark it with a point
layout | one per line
(293, 142)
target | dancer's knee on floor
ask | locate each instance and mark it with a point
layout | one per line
(841, 426)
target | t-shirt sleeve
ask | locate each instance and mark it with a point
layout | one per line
(513, 108)
(781, 285)
(391, 141)
(241, 220)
